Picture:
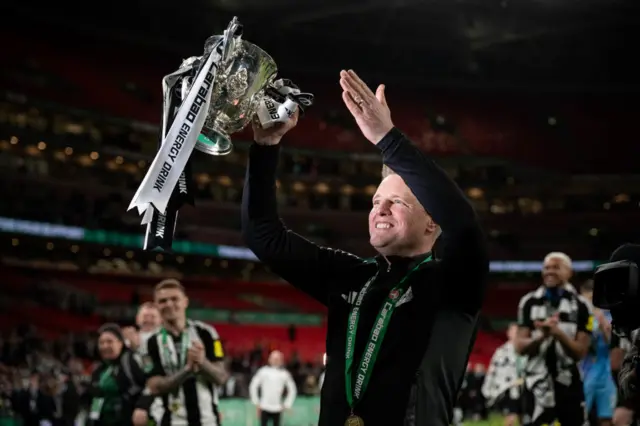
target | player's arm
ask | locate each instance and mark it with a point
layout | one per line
(524, 343)
(157, 382)
(577, 347)
(160, 385)
(212, 368)
(302, 263)
(603, 324)
(214, 371)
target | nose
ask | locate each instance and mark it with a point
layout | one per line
(384, 209)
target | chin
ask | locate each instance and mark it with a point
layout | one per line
(377, 245)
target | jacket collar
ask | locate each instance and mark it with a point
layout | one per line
(400, 262)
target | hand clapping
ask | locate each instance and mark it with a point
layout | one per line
(195, 356)
(549, 326)
(370, 111)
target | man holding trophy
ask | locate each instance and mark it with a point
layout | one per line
(401, 325)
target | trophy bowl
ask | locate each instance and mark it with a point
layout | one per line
(243, 74)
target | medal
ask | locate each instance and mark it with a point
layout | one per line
(354, 391)
(175, 406)
(354, 420)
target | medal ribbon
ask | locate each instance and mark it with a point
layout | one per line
(181, 356)
(365, 368)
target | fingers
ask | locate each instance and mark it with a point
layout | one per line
(356, 88)
(351, 104)
(380, 95)
(359, 86)
(293, 121)
(349, 86)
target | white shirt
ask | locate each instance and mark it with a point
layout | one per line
(156, 410)
(144, 339)
(271, 382)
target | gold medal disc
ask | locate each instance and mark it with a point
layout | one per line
(354, 420)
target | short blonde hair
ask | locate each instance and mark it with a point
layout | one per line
(169, 283)
(386, 171)
(562, 257)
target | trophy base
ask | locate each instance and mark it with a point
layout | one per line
(214, 143)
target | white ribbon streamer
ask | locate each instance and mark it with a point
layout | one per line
(271, 110)
(162, 177)
(168, 90)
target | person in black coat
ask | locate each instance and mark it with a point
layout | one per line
(401, 325)
(32, 404)
(116, 383)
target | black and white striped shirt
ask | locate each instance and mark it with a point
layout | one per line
(574, 315)
(196, 401)
(503, 374)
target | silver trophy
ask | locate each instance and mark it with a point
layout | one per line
(206, 100)
(243, 74)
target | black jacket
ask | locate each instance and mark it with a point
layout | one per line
(130, 378)
(425, 351)
(33, 407)
(628, 378)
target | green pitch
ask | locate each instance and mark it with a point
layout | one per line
(494, 420)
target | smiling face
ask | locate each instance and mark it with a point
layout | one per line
(555, 271)
(148, 318)
(172, 303)
(398, 224)
(109, 346)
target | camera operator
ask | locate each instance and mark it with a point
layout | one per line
(624, 412)
(616, 289)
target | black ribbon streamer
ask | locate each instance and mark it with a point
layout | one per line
(161, 229)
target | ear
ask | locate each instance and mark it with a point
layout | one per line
(431, 227)
(186, 302)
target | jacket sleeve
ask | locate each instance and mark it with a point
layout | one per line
(132, 365)
(628, 376)
(311, 268)
(464, 251)
(254, 387)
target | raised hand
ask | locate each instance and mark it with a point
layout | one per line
(369, 110)
(273, 134)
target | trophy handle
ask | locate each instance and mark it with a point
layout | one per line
(231, 38)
